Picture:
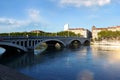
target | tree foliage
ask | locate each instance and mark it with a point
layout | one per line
(109, 35)
(62, 33)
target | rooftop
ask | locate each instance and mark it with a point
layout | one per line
(76, 29)
(94, 28)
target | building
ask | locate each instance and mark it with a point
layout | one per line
(36, 31)
(66, 27)
(95, 30)
(83, 32)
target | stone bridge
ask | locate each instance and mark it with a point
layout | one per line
(22, 43)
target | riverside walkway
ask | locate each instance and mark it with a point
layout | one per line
(10, 74)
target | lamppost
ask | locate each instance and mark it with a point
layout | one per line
(36, 29)
(68, 33)
(9, 34)
(37, 33)
(56, 33)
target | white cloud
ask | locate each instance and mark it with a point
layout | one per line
(86, 3)
(13, 22)
(34, 17)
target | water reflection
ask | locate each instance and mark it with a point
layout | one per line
(83, 63)
(110, 53)
(15, 60)
(2, 50)
(85, 75)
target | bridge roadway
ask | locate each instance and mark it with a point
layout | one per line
(27, 43)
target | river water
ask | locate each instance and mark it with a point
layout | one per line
(84, 63)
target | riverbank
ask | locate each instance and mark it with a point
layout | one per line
(103, 45)
(110, 43)
(10, 74)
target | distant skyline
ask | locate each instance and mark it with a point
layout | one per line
(52, 15)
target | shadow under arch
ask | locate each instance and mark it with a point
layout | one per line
(74, 43)
(52, 43)
(10, 48)
(86, 43)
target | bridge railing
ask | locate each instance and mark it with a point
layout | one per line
(33, 37)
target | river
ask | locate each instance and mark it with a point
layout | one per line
(84, 63)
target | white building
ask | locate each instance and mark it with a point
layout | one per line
(83, 32)
(95, 30)
(66, 27)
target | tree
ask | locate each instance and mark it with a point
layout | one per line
(62, 33)
(109, 35)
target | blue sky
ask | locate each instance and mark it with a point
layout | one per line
(51, 15)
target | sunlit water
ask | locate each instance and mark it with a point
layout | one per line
(84, 63)
(2, 50)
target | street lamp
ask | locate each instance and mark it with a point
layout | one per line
(56, 33)
(37, 33)
(68, 33)
(8, 34)
(36, 29)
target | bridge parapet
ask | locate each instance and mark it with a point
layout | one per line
(31, 41)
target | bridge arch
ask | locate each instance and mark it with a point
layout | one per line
(74, 43)
(51, 43)
(30, 43)
(86, 43)
(10, 47)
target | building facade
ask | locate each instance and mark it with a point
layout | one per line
(83, 32)
(36, 31)
(95, 30)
